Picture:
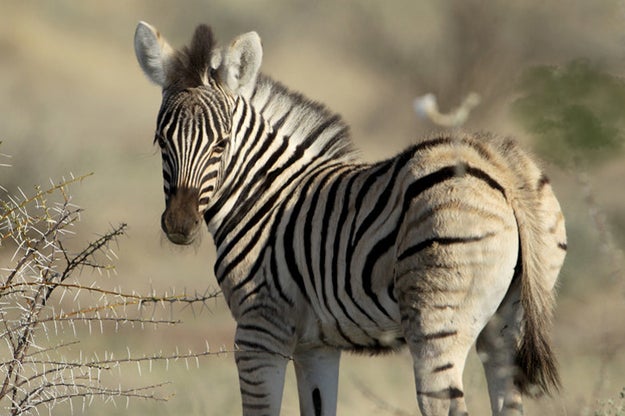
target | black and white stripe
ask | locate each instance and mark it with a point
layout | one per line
(187, 127)
(457, 238)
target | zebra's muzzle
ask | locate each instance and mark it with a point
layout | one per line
(181, 220)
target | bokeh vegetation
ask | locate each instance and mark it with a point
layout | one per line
(575, 112)
(72, 99)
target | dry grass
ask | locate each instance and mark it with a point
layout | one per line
(74, 100)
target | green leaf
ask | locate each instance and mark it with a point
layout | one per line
(574, 112)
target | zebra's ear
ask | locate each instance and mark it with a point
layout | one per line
(240, 63)
(152, 52)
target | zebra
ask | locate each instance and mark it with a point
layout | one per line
(457, 240)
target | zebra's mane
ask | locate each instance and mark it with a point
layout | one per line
(310, 119)
(191, 64)
(307, 120)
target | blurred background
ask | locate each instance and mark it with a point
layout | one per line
(73, 100)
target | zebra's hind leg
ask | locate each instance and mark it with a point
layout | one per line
(442, 312)
(439, 345)
(317, 372)
(496, 347)
(438, 361)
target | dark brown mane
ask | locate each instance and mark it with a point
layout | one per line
(192, 62)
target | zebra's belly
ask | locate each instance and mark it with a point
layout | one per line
(360, 339)
(372, 330)
(358, 310)
(370, 340)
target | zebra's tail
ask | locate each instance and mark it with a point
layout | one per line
(535, 357)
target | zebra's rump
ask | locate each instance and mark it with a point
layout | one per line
(439, 222)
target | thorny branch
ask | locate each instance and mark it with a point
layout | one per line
(33, 285)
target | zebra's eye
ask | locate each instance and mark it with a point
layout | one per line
(220, 145)
(158, 138)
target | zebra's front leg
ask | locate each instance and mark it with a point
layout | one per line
(317, 372)
(261, 374)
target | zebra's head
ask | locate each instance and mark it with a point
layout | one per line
(200, 86)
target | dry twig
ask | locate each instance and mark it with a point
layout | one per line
(34, 371)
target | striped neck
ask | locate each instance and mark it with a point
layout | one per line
(278, 138)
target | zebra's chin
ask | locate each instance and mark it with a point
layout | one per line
(182, 233)
(181, 239)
